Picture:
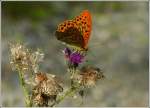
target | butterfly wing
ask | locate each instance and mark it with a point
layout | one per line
(68, 32)
(84, 23)
(75, 32)
(71, 36)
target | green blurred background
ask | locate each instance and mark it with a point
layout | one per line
(118, 45)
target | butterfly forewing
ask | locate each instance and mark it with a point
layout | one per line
(84, 22)
(75, 32)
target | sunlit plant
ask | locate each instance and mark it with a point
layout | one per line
(43, 89)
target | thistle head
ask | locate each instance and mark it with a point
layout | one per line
(74, 57)
(88, 76)
(46, 89)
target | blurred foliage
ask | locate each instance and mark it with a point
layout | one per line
(40, 10)
(118, 45)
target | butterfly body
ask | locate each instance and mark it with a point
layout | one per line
(75, 32)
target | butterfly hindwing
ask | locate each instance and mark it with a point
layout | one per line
(71, 36)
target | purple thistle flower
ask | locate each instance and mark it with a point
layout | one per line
(67, 51)
(73, 57)
(76, 58)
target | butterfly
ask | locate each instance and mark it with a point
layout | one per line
(76, 32)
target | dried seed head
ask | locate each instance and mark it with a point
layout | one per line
(19, 57)
(38, 100)
(88, 76)
(39, 77)
(36, 58)
(24, 60)
(47, 85)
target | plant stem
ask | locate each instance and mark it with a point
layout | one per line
(69, 92)
(22, 83)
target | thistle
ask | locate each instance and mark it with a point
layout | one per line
(43, 89)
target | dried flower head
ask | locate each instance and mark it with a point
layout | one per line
(40, 77)
(47, 86)
(88, 76)
(22, 59)
(36, 58)
(19, 57)
(39, 100)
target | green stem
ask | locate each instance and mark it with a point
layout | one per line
(69, 92)
(26, 93)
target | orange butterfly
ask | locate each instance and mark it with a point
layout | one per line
(76, 32)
